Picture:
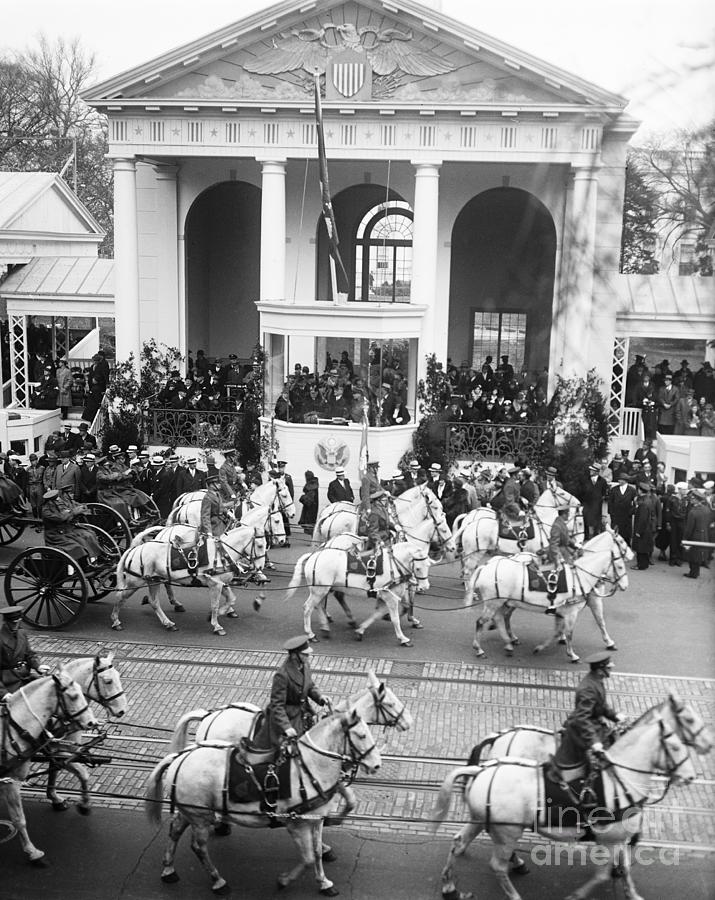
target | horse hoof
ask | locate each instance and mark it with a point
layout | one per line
(313, 640)
(220, 631)
(516, 642)
(61, 805)
(329, 856)
(352, 623)
(509, 651)
(329, 891)
(117, 627)
(329, 618)
(145, 600)
(479, 653)
(40, 862)
(256, 604)
(536, 650)
(521, 869)
(492, 626)
(232, 614)
(405, 643)
(611, 647)
(222, 890)
(223, 829)
(179, 607)
(83, 809)
(358, 635)
(170, 878)
(562, 640)
(171, 626)
(576, 659)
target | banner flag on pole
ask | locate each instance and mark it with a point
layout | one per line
(364, 455)
(328, 215)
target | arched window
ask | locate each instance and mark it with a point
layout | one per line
(383, 254)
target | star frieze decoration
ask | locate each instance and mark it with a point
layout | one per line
(290, 133)
(137, 130)
(214, 132)
(176, 132)
(368, 135)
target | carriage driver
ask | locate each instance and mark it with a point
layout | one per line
(288, 714)
(585, 731)
(560, 551)
(17, 661)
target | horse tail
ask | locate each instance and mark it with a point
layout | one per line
(179, 739)
(475, 757)
(153, 793)
(298, 575)
(444, 797)
(147, 535)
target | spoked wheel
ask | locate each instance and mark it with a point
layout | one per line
(148, 517)
(102, 575)
(109, 520)
(11, 527)
(50, 583)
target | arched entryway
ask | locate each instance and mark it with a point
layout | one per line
(223, 229)
(502, 280)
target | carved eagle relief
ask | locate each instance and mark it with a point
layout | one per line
(387, 50)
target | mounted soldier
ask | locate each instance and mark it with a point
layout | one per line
(560, 552)
(213, 517)
(18, 663)
(288, 714)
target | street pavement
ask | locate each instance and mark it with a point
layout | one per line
(663, 626)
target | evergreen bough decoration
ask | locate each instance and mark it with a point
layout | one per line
(579, 411)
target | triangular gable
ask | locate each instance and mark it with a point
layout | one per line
(41, 203)
(368, 51)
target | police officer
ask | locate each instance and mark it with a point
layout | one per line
(584, 730)
(288, 714)
(17, 661)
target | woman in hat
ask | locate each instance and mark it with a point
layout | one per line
(17, 661)
(309, 503)
(288, 714)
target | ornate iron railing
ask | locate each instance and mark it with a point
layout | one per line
(484, 441)
(189, 428)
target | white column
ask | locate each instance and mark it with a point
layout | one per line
(170, 304)
(273, 229)
(126, 260)
(424, 262)
(577, 271)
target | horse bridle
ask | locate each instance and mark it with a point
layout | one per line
(616, 579)
(253, 555)
(349, 761)
(388, 718)
(687, 735)
(95, 684)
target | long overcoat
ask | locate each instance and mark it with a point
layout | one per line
(291, 688)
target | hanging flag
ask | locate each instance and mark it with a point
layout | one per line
(364, 455)
(328, 215)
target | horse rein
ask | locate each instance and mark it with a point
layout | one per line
(388, 718)
(352, 761)
(97, 669)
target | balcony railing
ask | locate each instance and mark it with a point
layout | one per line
(482, 441)
(189, 428)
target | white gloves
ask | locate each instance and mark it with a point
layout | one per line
(44, 670)
(326, 701)
(597, 747)
(291, 733)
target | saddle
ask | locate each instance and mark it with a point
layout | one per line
(552, 581)
(365, 562)
(516, 529)
(189, 558)
(261, 776)
(571, 795)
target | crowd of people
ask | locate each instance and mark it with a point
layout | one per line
(672, 402)
(56, 385)
(209, 385)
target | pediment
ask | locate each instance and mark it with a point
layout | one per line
(41, 203)
(366, 52)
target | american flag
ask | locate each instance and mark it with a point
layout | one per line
(328, 215)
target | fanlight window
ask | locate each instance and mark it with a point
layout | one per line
(383, 254)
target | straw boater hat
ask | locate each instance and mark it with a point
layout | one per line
(339, 471)
(397, 475)
(414, 464)
(51, 494)
(435, 467)
(157, 460)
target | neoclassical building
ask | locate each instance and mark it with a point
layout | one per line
(477, 193)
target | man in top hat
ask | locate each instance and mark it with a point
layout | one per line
(17, 660)
(621, 504)
(288, 714)
(560, 551)
(585, 733)
(437, 482)
(644, 528)
(592, 495)
(190, 478)
(340, 488)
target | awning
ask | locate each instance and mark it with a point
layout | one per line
(61, 286)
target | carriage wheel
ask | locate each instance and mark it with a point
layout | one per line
(109, 520)
(148, 517)
(52, 585)
(10, 530)
(102, 576)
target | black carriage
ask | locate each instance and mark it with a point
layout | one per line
(50, 581)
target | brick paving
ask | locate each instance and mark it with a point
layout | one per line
(453, 705)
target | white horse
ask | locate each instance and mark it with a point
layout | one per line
(273, 496)
(400, 566)
(506, 797)
(149, 562)
(99, 681)
(197, 777)
(24, 732)
(406, 511)
(539, 744)
(502, 584)
(478, 531)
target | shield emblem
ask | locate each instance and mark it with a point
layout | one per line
(348, 77)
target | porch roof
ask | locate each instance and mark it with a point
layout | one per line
(61, 285)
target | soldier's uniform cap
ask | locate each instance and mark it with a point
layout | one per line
(13, 612)
(600, 658)
(512, 470)
(281, 462)
(51, 494)
(297, 644)
(213, 479)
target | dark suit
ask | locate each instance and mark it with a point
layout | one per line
(582, 728)
(186, 481)
(68, 476)
(164, 492)
(88, 484)
(440, 488)
(338, 491)
(592, 495)
(620, 508)
(14, 651)
(292, 686)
